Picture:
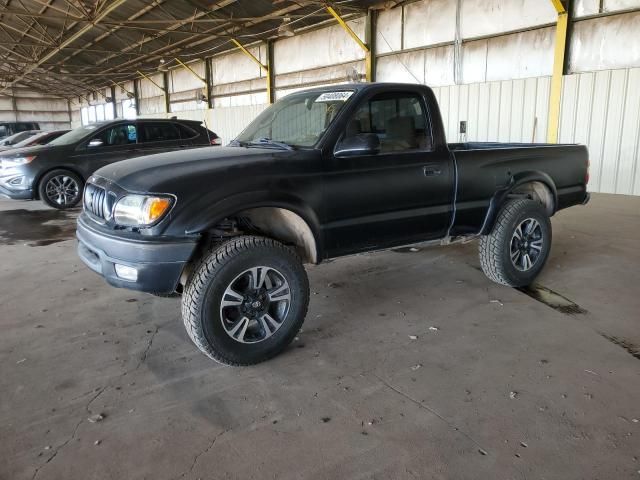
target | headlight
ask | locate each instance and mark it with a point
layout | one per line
(8, 162)
(141, 210)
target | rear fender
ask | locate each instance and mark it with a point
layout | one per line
(517, 181)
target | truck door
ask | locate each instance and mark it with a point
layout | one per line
(397, 189)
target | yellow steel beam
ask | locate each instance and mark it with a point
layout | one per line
(191, 70)
(368, 61)
(149, 78)
(122, 87)
(266, 68)
(195, 74)
(558, 5)
(249, 54)
(556, 78)
(347, 28)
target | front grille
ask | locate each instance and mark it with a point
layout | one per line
(94, 200)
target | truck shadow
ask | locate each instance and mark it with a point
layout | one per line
(37, 228)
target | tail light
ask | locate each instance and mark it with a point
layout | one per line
(216, 141)
(586, 176)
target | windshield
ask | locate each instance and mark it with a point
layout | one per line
(298, 120)
(30, 140)
(75, 135)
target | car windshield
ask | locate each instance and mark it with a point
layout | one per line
(31, 140)
(298, 120)
(14, 139)
(75, 135)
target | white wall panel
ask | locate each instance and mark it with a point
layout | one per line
(615, 5)
(601, 110)
(389, 31)
(605, 43)
(181, 79)
(521, 55)
(22, 104)
(488, 17)
(433, 66)
(301, 52)
(237, 66)
(147, 89)
(429, 23)
(505, 111)
(403, 67)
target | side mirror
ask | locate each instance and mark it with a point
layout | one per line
(361, 144)
(96, 142)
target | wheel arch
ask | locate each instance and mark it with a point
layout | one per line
(532, 184)
(41, 175)
(281, 217)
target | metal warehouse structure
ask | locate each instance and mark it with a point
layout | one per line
(526, 70)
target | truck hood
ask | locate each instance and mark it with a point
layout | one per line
(167, 172)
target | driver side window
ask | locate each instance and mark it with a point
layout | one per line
(397, 119)
(124, 134)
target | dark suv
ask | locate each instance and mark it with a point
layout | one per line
(56, 172)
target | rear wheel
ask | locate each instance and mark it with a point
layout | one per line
(246, 300)
(515, 252)
(61, 189)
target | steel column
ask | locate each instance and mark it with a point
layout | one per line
(167, 95)
(271, 90)
(136, 96)
(208, 77)
(114, 104)
(555, 96)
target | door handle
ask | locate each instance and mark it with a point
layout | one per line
(431, 170)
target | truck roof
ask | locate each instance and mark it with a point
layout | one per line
(366, 86)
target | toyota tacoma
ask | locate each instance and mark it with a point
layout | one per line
(320, 174)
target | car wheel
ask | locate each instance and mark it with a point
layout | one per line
(515, 252)
(246, 300)
(61, 189)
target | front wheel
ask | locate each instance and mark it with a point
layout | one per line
(246, 300)
(516, 250)
(61, 189)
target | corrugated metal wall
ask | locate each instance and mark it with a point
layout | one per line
(599, 109)
(505, 111)
(602, 110)
(24, 105)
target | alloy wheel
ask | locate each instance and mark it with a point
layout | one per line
(526, 244)
(62, 190)
(255, 304)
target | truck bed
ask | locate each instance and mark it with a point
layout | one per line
(486, 168)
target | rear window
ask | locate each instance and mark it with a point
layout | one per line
(159, 132)
(186, 132)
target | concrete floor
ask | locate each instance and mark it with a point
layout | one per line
(506, 387)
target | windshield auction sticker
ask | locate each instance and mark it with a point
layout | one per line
(334, 96)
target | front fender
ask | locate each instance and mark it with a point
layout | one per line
(208, 216)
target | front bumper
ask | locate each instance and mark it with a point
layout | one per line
(16, 194)
(158, 263)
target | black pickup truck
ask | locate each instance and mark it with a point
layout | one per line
(320, 174)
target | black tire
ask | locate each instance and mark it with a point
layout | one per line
(202, 310)
(63, 201)
(497, 249)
